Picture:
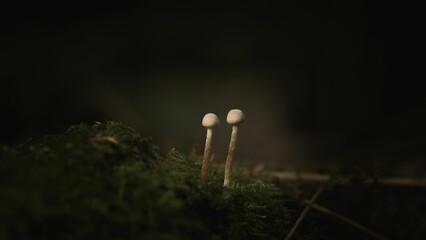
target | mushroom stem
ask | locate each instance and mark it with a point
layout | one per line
(209, 121)
(234, 118)
(206, 158)
(230, 157)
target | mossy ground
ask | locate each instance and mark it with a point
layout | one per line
(104, 181)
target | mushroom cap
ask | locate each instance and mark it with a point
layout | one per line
(235, 117)
(210, 120)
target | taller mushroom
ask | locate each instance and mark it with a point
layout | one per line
(234, 118)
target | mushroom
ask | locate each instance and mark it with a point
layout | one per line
(210, 121)
(235, 117)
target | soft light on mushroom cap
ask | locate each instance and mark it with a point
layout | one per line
(210, 120)
(235, 117)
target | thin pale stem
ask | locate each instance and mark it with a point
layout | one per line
(230, 157)
(206, 158)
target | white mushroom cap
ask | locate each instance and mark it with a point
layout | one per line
(235, 117)
(210, 120)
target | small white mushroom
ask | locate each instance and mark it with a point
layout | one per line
(235, 117)
(210, 121)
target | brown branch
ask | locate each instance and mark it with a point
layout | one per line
(347, 220)
(304, 213)
(289, 177)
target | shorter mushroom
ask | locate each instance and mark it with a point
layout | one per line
(210, 121)
(235, 117)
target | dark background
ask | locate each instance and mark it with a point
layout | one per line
(323, 84)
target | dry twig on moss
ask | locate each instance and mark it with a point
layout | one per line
(288, 177)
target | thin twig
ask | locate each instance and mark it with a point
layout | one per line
(288, 177)
(304, 213)
(347, 220)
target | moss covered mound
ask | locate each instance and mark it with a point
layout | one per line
(106, 182)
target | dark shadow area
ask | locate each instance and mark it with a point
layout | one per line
(320, 83)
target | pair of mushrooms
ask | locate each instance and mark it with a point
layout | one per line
(210, 121)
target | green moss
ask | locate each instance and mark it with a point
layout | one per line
(106, 182)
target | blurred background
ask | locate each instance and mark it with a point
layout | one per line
(324, 84)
